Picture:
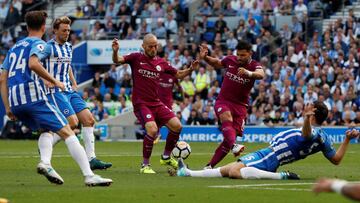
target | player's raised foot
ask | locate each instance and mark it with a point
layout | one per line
(97, 180)
(287, 175)
(169, 161)
(146, 169)
(50, 173)
(182, 170)
(96, 164)
(237, 149)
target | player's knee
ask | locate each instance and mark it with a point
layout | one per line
(89, 121)
(152, 131)
(234, 173)
(178, 127)
(73, 123)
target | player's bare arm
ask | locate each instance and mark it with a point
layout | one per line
(116, 58)
(5, 94)
(35, 65)
(350, 134)
(183, 73)
(72, 80)
(340, 186)
(216, 63)
(308, 112)
(258, 74)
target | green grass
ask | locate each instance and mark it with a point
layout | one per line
(20, 183)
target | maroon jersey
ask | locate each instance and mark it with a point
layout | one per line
(146, 76)
(236, 88)
(167, 83)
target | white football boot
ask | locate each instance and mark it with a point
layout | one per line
(97, 180)
(49, 172)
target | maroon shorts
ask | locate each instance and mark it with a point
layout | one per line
(160, 114)
(238, 113)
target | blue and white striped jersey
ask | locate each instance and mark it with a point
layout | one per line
(290, 146)
(24, 84)
(58, 63)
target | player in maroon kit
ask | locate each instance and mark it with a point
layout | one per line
(146, 69)
(232, 102)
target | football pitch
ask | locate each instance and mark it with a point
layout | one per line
(19, 181)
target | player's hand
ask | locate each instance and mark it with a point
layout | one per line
(203, 51)
(115, 45)
(74, 87)
(244, 72)
(323, 185)
(60, 85)
(354, 133)
(194, 65)
(48, 84)
(309, 110)
(10, 114)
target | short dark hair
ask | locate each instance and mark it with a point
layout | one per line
(321, 112)
(35, 19)
(244, 45)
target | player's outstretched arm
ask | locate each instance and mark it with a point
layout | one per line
(115, 56)
(351, 191)
(258, 74)
(308, 112)
(216, 63)
(183, 73)
(5, 94)
(35, 65)
(350, 134)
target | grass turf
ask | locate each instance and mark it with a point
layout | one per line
(20, 183)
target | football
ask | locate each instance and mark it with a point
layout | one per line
(181, 150)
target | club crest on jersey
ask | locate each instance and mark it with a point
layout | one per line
(66, 111)
(158, 68)
(219, 109)
(40, 47)
(170, 80)
(148, 115)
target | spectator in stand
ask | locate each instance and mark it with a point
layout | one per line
(193, 118)
(124, 10)
(123, 27)
(6, 39)
(12, 18)
(78, 12)
(131, 34)
(99, 111)
(126, 82)
(100, 11)
(170, 25)
(229, 11)
(88, 9)
(231, 42)
(301, 10)
(204, 9)
(286, 7)
(97, 80)
(97, 32)
(205, 120)
(110, 11)
(202, 82)
(143, 29)
(160, 30)
(158, 12)
(220, 24)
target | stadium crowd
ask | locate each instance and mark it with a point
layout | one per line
(302, 64)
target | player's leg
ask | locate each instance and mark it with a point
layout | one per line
(223, 171)
(167, 117)
(49, 117)
(147, 120)
(88, 122)
(148, 143)
(229, 134)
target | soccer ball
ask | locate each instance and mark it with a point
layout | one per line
(181, 150)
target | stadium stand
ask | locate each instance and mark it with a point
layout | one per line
(309, 50)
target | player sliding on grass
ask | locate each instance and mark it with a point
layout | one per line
(24, 98)
(147, 67)
(286, 147)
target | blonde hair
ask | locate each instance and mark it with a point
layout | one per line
(61, 20)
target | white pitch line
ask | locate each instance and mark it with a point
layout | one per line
(35, 155)
(281, 189)
(259, 185)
